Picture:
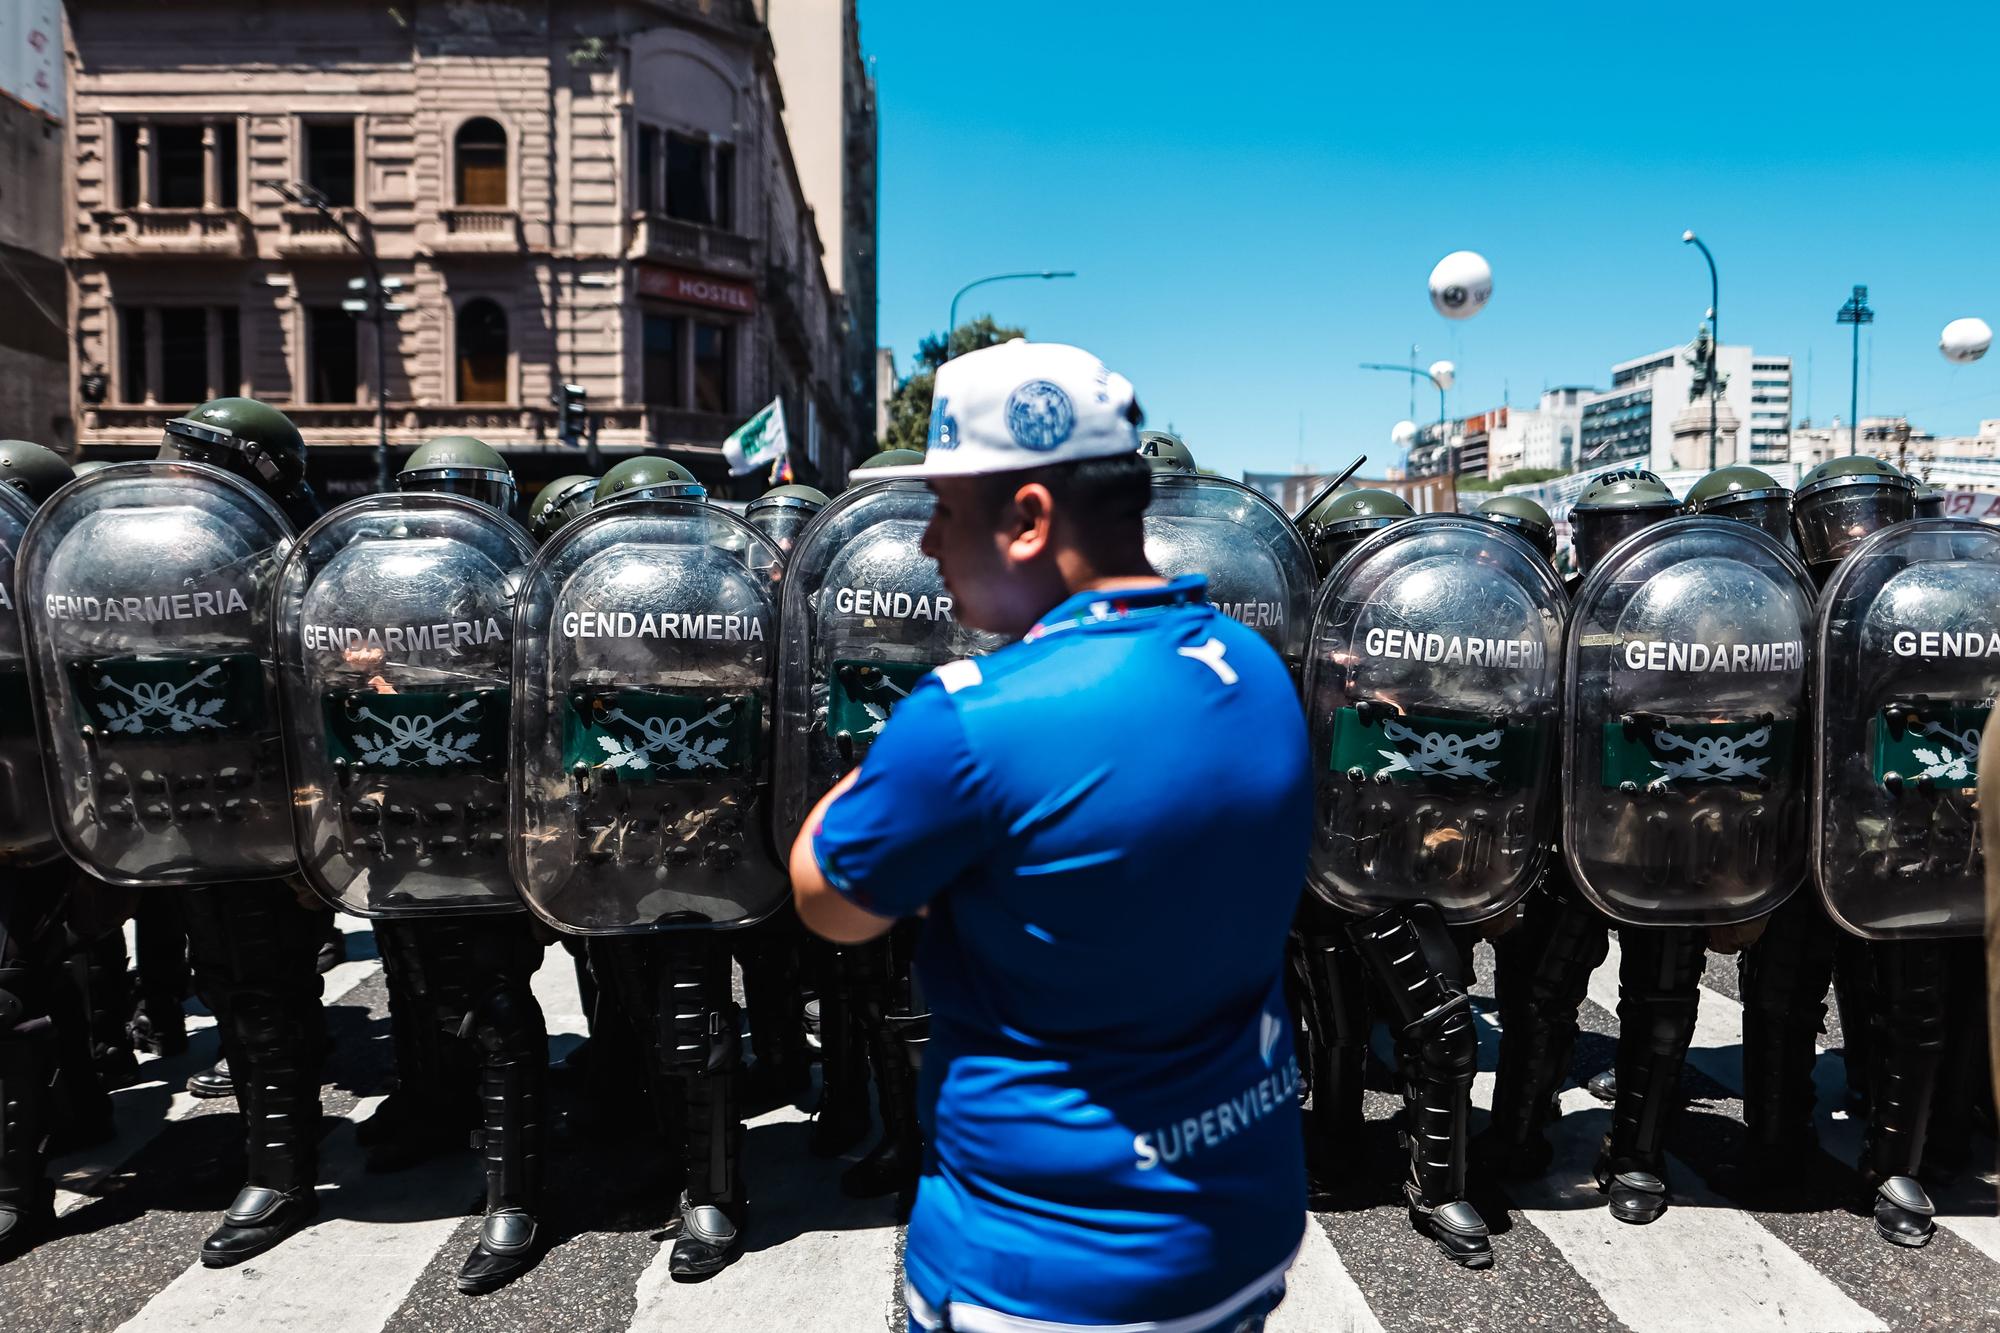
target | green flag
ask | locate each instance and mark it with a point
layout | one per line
(758, 441)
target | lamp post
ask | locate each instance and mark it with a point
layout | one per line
(305, 195)
(1857, 313)
(1442, 374)
(951, 326)
(1715, 332)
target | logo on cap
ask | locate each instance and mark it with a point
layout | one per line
(944, 426)
(1040, 416)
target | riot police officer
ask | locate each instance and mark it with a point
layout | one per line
(782, 512)
(558, 502)
(1525, 519)
(1745, 493)
(165, 719)
(1165, 452)
(395, 637)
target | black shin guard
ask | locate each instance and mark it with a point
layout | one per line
(1907, 1047)
(1562, 942)
(1333, 991)
(1783, 978)
(1659, 982)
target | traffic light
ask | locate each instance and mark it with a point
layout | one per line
(571, 412)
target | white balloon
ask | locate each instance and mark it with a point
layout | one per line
(1965, 340)
(1443, 374)
(1461, 284)
(1403, 433)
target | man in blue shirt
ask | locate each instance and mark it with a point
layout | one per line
(1106, 824)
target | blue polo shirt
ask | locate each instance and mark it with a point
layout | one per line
(1108, 822)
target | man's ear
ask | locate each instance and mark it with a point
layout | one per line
(1029, 522)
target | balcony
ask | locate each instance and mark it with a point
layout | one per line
(211, 233)
(475, 231)
(657, 236)
(306, 233)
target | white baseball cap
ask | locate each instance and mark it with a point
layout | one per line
(1024, 405)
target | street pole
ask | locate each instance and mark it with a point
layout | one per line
(1415, 375)
(1857, 313)
(951, 325)
(1715, 335)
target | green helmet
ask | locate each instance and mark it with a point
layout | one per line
(1745, 493)
(1929, 501)
(252, 439)
(1342, 518)
(459, 465)
(559, 502)
(1525, 519)
(32, 470)
(1845, 499)
(1613, 507)
(890, 458)
(782, 513)
(1165, 451)
(649, 477)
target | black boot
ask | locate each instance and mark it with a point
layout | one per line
(280, 1104)
(712, 1212)
(27, 1212)
(1906, 1048)
(842, 1118)
(510, 1242)
(1658, 988)
(214, 1081)
(891, 1166)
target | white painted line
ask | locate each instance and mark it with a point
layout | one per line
(818, 1262)
(1320, 1297)
(346, 1273)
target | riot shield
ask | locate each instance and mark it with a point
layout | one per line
(1684, 786)
(27, 837)
(1433, 698)
(148, 628)
(866, 618)
(1909, 660)
(395, 633)
(647, 645)
(1259, 569)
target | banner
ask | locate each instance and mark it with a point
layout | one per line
(31, 55)
(759, 441)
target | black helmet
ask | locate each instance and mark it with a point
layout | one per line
(1342, 518)
(559, 502)
(459, 465)
(1612, 508)
(32, 470)
(1525, 519)
(1745, 493)
(1929, 501)
(1845, 499)
(252, 439)
(1165, 451)
(649, 477)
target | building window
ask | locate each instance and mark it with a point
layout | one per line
(724, 211)
(482, 352)
(228, 193)
(481, 151)
(177, 355)
(132, 378)
(174, 164)
(648, 175)
(711, 367)
(177, 164)
(661, 369)
(329, 155)
(130, 164)
(333, 356)
(183, 355)
(687, 178)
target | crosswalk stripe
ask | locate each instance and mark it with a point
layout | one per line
(1320, 1295)
(346, 1273)
(818, 1262)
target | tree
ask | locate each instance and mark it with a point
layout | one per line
(910, 405)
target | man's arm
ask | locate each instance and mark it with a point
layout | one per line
(825, 912)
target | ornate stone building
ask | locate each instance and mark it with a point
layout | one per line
(597, 194)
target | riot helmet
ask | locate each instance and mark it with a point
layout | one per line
(1165, 451)
(559, 502)
(782, 513)
(241, 435)
(884, 458)
(649, 477)
(1745, 493)
(32, 470)
(1343, 518)
(1612, 508)
(460, 465)
(1845, 499)
(1929, 501)
(1525, 519)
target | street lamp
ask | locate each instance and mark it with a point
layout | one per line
(951, 326)
(1714, 332)
(306, 196)
(1442, 374)
(1857, 313)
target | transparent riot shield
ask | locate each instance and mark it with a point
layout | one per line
(647, 648)
(1433, 699)
(1909, 661)
(866, 618)
(395, 635)
(1258, 567)
(27, 837)
(148, 630)
(1684, 701)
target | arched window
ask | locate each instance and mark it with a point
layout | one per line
(482, 352)
(481, 153)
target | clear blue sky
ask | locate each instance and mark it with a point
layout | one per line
(1254, 194)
